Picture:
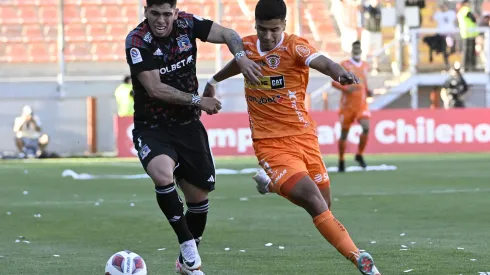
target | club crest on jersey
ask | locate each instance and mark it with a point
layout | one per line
(273, 60)
(148, 38)
(182, 24)
(184, 43)
(302, 50)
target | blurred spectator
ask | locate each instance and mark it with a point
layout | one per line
(371, 37)
(443, 41)
(454, 88)
(28, 136)
(416, 3)
(125, 98)
(480, 39)
(467, 29)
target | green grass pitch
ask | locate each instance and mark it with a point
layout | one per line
(440, 203)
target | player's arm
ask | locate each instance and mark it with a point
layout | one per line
(221, 35)
(328, 67)
(231, 69)
(156, 89)
(143, 65)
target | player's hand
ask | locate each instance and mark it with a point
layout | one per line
(250, 70)
(348, 78)
(370, 93)
(210, 105)
(209, 91)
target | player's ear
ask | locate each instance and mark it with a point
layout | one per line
(146, 12)
(284, 25)
(176, 13)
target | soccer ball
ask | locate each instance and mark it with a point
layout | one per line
(125, 263)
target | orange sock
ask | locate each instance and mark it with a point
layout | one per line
(336, 234)
(341, 149)
(362, 144)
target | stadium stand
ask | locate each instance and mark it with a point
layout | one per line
(93, 28)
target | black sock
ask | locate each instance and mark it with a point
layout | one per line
(171, 205)
(196, 217)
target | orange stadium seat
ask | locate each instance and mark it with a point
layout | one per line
(16, 52)
(9, 15)
(95, 29)
(38, 53)
(28, 14)
(72, 14)
(48, 15)
(117, 32)
(11, 33)
(75, 32)
(32, 33)
(91, 14)
(50, 33)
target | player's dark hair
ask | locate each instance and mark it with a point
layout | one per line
(270, 9)
(150, 3)
(356, 44)
(126, 79)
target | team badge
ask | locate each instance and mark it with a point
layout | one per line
(302, 50)
(144, 151)
(184, 43)
(273, 60)
(182, 24)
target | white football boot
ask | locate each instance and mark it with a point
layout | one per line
(263, 181)
(365, 263)
(189, 261)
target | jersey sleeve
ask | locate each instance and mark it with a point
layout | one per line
(303, 52)
(138, 55)
(201, 27)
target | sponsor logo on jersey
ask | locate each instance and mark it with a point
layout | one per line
(268, 83)
(264, 100)
(273, 60)
(135, 55)
(158, 52)
(181, 64)
(184, 43)
(303, 50)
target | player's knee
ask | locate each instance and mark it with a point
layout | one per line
(161, 170)
(306, 194)
(343, 134)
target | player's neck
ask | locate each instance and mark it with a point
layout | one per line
(263, 52)
(355, 62)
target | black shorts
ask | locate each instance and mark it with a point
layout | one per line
(187, 145)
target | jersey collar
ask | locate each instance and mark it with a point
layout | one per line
(264, 53)
(355, 63)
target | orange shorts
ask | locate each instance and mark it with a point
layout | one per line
(287, 156)
(347, 117)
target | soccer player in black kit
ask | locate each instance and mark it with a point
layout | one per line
(168, 134)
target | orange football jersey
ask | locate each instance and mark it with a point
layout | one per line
(356, 99)
(277, 106)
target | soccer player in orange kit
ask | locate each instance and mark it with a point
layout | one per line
(283, 133)
(353, 105)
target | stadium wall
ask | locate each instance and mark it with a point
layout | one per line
(65, 119)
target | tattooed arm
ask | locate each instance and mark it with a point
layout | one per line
(156, 89)
(221, 35)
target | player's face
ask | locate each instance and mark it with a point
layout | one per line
(269, 32)
(356, 53)
(161, 18)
